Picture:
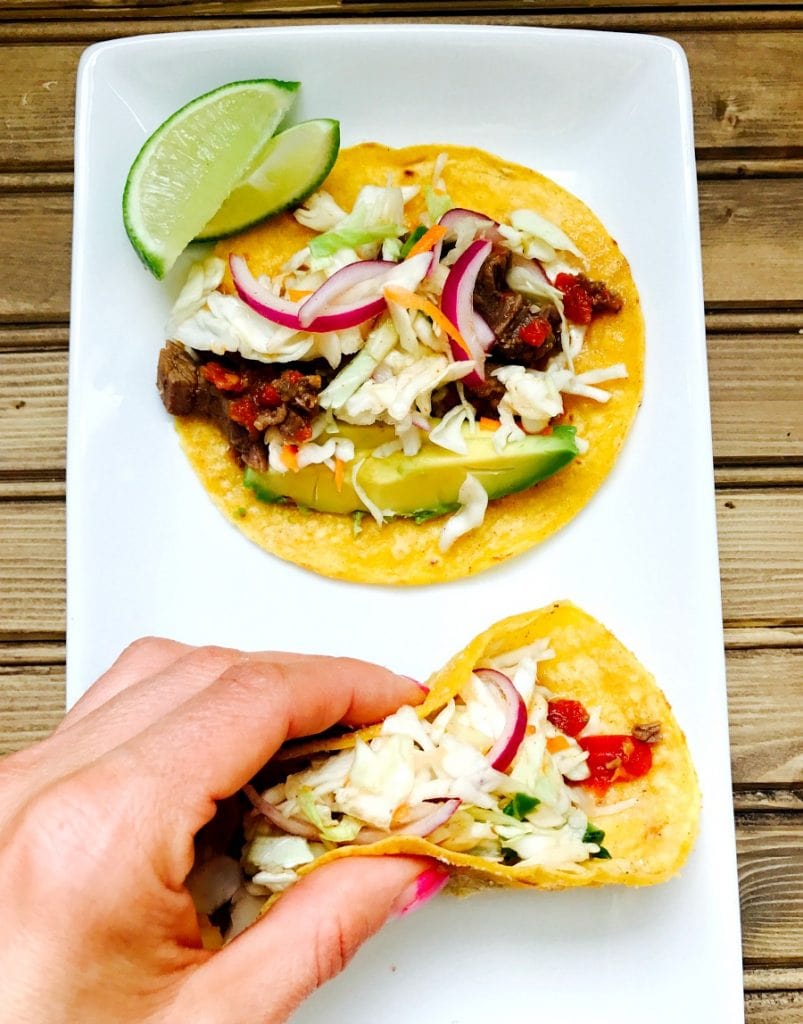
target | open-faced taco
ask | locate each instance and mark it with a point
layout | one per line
(428, 368)
(544, 756)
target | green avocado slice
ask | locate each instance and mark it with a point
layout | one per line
(423, 485)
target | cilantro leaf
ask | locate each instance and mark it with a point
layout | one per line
(521, 805)
(412, 238)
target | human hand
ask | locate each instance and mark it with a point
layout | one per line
(96, 840)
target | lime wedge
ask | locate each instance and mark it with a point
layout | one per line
(191, 163)
(291, 166)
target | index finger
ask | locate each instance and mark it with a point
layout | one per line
(216, 741)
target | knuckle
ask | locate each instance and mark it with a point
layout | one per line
(336, 942)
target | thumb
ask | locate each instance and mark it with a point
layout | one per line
(308, 937)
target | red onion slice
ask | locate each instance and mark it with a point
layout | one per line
(261, 299)
(483, 226)
(275, 816)
(288, 314)
(457, 303)
(485, 336)
(507, 744)
(321, 301)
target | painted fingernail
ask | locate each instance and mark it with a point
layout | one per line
(428, 884)
(415, 682)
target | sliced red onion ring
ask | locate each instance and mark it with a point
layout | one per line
(483, 226)
(457, 303)
(517, 260)
(321, 302)
(504, 750)
(430, 815)
(261, 299)
(430, 820)
(287, 314)
(275, 816)
(485, 336)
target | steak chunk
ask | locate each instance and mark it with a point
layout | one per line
(177, 379)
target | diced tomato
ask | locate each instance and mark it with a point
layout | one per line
(563, 282)
(567, 715)
(577, 305)
(536, 332)
(615, 759)
(304, 433)
(244, 411)
(223, 379)
(266, 395)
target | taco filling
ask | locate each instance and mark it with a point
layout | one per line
(409, 360)
(551, 764)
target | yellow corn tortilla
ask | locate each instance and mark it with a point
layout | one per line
(648, 842)
(401, 551)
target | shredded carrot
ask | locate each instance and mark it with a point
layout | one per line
(340, 468)
(427, 241)
(486, 423)
(297, 294)
(530, 730)
(556, 743)
(289, 456)
(410, 300)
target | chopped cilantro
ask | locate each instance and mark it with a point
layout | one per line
(521, 805)
(412, 238)
(593, 835)
(425, 515)
(509, 856)
(596, 835)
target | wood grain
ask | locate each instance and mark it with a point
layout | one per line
(31, 570)
(773, 1008)
(765, 700)
(31, 704)
(756, 407)
(33, 411)
(747, 93)
(35, 237)
(742, 222)
(770, 855)
(761, 556)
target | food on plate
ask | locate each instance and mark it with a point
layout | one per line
(427, 368)
(543, 756)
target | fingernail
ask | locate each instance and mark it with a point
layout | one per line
(428, 884)
(415, 682)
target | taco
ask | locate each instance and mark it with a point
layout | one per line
(428, 368)
(545, 756)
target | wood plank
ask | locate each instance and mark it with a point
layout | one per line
(746, 232)
(33, 411)
(35, 236)
(766, 715)
(31, 704)
(742, 224)
(756, 409)
(770, 800)
(743, 638)
(33, 337)
(773, 1008)
(773, 979)
(761, 556)
(770, 854)
(32, 603)
(734, 110)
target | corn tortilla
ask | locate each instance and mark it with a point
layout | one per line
(648, 842)
(401, 551)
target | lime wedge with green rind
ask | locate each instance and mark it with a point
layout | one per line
(191, 163)
(291, 166)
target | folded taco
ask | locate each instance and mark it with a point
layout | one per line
(544, 756)
(427, 368)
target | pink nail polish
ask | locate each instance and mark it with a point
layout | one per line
(415, 682)
(428, 884)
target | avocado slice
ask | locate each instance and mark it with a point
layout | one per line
(423, 485)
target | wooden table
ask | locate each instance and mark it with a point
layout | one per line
(747, 72)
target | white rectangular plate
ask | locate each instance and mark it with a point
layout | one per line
(608, 116)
